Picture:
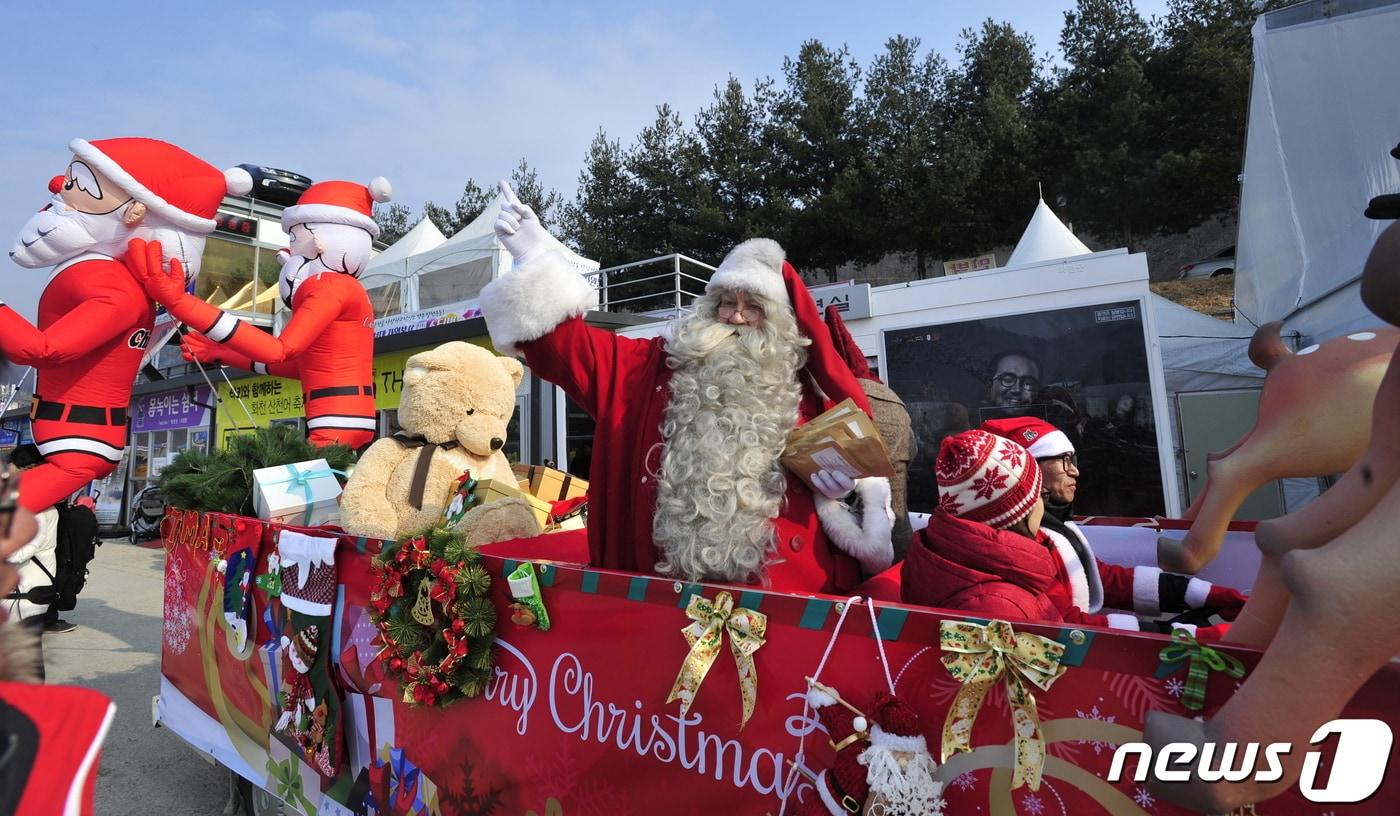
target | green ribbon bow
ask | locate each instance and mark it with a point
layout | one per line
(1201, 661)
(287, 775)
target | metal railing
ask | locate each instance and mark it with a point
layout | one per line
(629, 288)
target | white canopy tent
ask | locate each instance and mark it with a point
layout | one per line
(1323, 116)
(452, 271)
(384, 275)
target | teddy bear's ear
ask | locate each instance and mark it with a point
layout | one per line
(513, 368)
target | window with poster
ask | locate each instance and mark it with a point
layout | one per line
(1084, 369)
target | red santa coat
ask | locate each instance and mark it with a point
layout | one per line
(623, 383)
(94, 323)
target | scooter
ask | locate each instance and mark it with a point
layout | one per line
(147, 510)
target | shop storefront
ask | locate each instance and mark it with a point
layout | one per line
(163, 423)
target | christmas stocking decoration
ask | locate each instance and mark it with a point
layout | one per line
(239, 540)
(841, 789)
(899, 766)
(310, 718)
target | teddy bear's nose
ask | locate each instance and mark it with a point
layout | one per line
(497, 443)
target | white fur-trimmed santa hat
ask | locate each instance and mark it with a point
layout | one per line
(175, 185)
(1042, 439)
(340, 202)
(754, 266)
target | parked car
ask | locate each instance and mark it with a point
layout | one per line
(1221, 263)
(276, 186)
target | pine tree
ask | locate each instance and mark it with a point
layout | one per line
(393, 221)
(902, 115)
(822, 172)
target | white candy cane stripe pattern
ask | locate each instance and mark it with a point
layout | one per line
(81, 444)
(223, 328)
(348, 423)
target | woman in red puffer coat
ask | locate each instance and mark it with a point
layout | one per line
(984, 552)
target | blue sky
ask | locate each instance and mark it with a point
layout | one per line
(426, 94)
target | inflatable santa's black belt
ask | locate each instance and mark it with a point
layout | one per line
(81, 414)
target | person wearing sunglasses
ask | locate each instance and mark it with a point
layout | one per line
(1146, 590)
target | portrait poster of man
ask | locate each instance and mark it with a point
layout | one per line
(1083, 369)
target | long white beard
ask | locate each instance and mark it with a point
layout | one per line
(734, 400)
(896, 789)
(58, 233)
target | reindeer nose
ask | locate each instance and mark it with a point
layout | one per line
(497, 443)
(56, 184)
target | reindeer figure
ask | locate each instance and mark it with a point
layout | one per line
(1313, 414)
(1325, 599)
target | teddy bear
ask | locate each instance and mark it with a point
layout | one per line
(456, 401)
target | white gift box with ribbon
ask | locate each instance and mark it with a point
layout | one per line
(305, 494)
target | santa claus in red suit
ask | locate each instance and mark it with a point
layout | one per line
(686, 480)
(329, 342)
(94, 317)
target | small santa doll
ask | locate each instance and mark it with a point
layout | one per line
(841, 789)
(898, 764)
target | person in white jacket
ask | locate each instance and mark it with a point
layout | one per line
(37, 564)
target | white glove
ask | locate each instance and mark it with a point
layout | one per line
(833, 484)
(520, 230)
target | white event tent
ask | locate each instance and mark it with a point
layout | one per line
(444, 273)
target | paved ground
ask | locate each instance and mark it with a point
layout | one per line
(116, 650)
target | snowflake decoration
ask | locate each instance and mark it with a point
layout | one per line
(950, 504)
(1093, 714)
(1174, 686)
(1143, 798)
(1011, 453)
(965, 781)
(1032, 804)
(179, 620)
(989, 483)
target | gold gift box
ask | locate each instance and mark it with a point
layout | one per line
(549, 484)
(489, 490)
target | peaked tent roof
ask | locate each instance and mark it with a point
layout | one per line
(424, 236)
(1046, 239)
(478, 240)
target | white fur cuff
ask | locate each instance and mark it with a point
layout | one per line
(532, 299)
(869, 542)
(1197, 593)
(1118, 620)
(1147, 593)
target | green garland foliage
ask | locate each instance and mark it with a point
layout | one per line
(434, 575)
(221, 481)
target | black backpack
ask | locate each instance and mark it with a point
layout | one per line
(77, 544)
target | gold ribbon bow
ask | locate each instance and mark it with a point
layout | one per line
(981, 656)
(712, 619)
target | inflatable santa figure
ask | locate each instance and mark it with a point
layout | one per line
(94, 317)
(329, 342)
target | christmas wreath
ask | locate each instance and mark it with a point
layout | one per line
(436, 625)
